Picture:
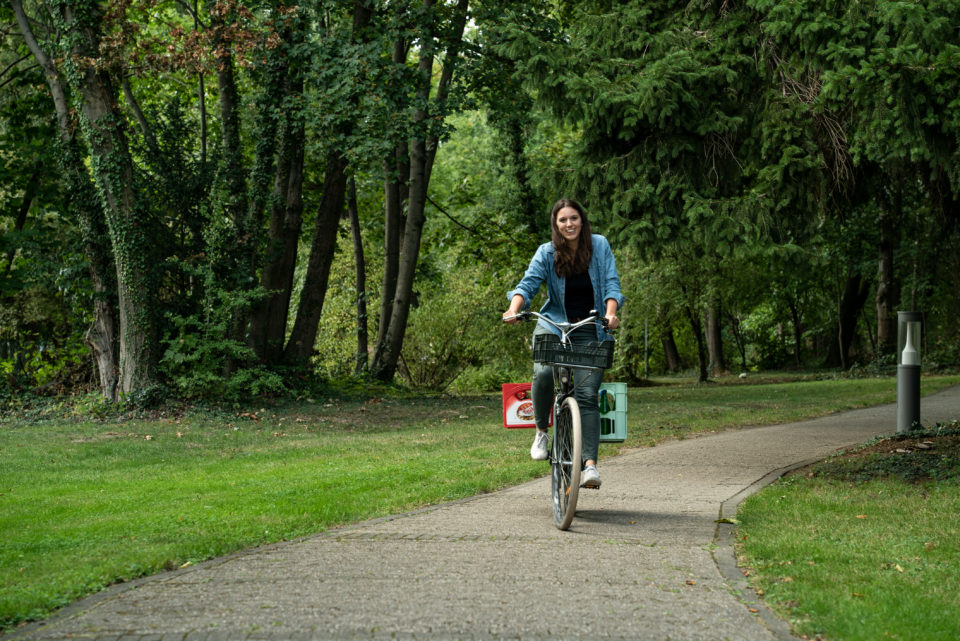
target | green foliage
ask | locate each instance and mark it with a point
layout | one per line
(739, 154)
(44, 292)
(335, 353)
(718, 140)
(198, 351)
(452, 330)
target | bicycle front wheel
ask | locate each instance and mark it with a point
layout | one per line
(566, 462)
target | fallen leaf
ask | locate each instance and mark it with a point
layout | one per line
(861, 516)
(929, 545)
(898, 568)
(754, 610)
(148, 437)
(728, 520)
(689, 582)
(787, 579)
(857, 595)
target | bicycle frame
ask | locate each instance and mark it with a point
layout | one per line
(566, 451)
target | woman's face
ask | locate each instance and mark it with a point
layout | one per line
(569, 224)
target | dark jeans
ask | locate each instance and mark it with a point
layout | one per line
(587, 385)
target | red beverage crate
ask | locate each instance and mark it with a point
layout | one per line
(518, 406)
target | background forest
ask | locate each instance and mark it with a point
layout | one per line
(219, 199)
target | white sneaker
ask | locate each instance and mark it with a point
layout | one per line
(590, 477)
(538, 451)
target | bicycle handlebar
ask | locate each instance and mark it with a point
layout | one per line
(565, 328)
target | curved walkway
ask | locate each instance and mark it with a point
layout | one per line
(644, 559)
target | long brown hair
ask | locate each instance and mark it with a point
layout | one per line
(567, 260)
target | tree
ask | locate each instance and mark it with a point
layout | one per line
(886, 70)
(51, 202)
(692, 146)
(437, 36)
(92, 89)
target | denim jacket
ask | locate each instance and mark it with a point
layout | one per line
(603, 277)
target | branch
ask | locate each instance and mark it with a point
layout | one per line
(441, 210)
(12, 65)
(49, 70)
(12, 78)
(453, 52)
(28, 195)
(193, 12)
(138, 114)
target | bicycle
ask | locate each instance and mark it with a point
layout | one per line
(567, 449)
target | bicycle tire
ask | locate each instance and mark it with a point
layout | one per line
(566, 462)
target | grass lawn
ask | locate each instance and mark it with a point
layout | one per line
(865, 545)
(87, 504)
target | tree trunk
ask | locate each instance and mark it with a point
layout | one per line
(513, 128)
(231, 170)
(304, 334)
(396, 172)
(361, 271)
(797, 321)
(87, 208)
(887, 293)
(268, 323)
(385, 361)
(739, 339)
(395, 191)
(718, 363)
(670, 352)
(113, 171)
(423, 149)
(233, 250)
(693, 317)
(102, 336)
(303, 337)
(852, 301)
(697, 330)
(393, 213)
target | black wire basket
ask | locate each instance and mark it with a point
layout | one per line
(548, 349)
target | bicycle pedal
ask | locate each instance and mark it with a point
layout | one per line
(590, 487)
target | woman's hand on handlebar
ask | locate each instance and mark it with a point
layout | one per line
(514, 317)
(612, 322)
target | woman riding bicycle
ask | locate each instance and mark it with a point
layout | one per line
(581, 275)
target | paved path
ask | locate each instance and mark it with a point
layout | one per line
(644, 559)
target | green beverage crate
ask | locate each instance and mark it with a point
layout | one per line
(613, 412)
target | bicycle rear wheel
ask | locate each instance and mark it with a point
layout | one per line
(566, 462)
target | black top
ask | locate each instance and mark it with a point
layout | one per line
(578, 299)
